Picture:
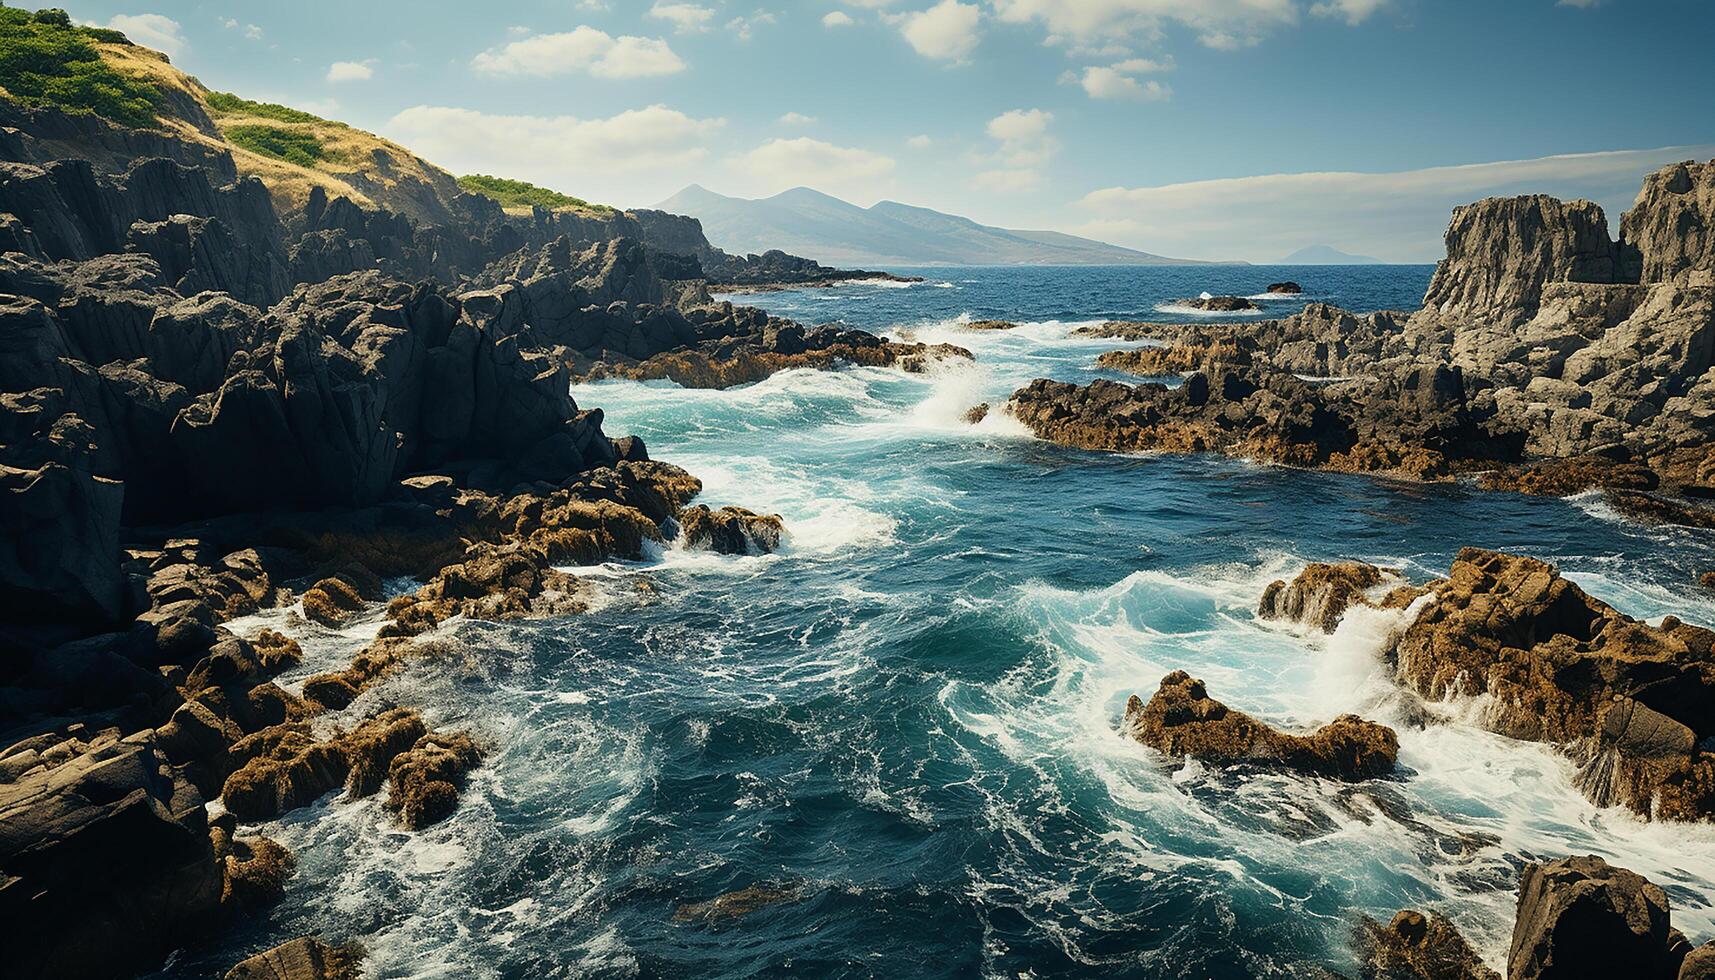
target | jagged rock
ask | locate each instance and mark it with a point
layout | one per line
(1672, 222)
(1634, 701)
(336, 598)
(1699, 964)
(1581, 917)
(1415, 946)
(1501, 252)
(286, 767)
(730, 530)
(1320, 595)
(991, 325)
(304, 958)
(423, 782)
(1181, 719)
(105, 861)
(976, 413)
(255, 871)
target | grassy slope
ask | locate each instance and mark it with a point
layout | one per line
(341, 159)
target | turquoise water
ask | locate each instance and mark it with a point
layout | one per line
(905, 722)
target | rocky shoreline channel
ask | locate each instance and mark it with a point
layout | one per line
(213, 403)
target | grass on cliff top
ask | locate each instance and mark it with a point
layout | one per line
(45, 59)
(229, 104)
(519, 194)
(290, 145)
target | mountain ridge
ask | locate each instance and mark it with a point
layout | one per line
(1327, 255)
(809, 222)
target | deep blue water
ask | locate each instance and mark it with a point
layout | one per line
(907, 720)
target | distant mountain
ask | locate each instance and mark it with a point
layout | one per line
(1326, 255)
(831, 231)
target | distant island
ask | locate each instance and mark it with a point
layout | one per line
(807, 222)
(1326, 255)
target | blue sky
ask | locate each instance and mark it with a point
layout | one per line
(1168, 125)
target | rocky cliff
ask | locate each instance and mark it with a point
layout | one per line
(1565, 345)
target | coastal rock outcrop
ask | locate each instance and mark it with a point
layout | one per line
(1581, 917)
(1182, 720)
(730, 530)
(1320, 595)
(304, 958)
(1416, 946)
(105, 859)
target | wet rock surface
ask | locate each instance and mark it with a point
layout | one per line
(1183, 720)
(1416, 946)
(1581, 917)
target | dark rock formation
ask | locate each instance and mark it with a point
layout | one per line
(730, 530)
(1181, 719)
(976, 413)
(1415, 946)
(1581, 917)
(1288, 288)
(105, 857)
(991, 325)
(1220, 304)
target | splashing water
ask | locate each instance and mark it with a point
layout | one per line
(904, 725)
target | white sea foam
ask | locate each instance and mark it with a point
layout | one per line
(1181, 309)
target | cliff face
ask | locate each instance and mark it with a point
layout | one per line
(1502, 252)
(1673, 221)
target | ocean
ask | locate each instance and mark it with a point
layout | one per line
(897, 737)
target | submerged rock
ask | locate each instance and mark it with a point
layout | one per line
(1220, 304)
(1581, 917)
(735, 904)
(1182, 720)
(1415, 946)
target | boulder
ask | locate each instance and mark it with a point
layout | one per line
(1320, 595)
(424, 781)
(304, 958)
(730, 530)
(1182, 720)
(1287, 288)
(1581, 917)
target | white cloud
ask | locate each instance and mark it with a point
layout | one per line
(1357, 11)
(518, 30)
(1395, 216)
(744, 26)
(631, 158)
(152, 31)
(1113, 83)
(797, 119)
(683, 16)
(1025, 145)
(843, 171)
(946, 31)
(251, 31)
(837, 18)
(351, 71)
(921, 142)
(583, 49)
(1144, 66)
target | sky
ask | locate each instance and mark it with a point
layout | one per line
(1225, 129)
